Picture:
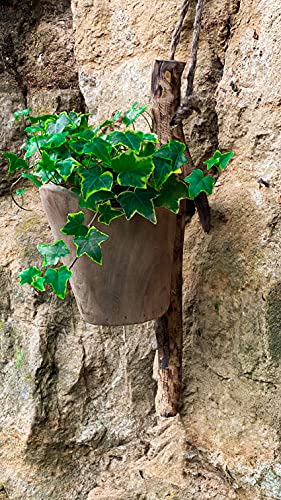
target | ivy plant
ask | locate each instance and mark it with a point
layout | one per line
(115, 171)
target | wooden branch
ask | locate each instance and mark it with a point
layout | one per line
(191, 103)
(165, 89)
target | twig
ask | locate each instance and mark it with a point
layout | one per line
(178, 29)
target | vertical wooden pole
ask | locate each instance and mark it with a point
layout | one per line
(166, 97)
(165, 89)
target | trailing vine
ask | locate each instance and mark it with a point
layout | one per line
(115, 172)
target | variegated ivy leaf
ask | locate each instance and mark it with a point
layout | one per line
(90, 245)
(39, 283)
(57, 140)
(100, 149)
(108, 214)
(65, 167)
(171, 193)
(74, 225)
(173, 151)
(138, 202)
(132, 170)
(53, 252)
(163, 169)
(96, 198)
(59, 125)
(42, 118)
(131, 139)
(58, 279)
(46, 162)
(93, 180)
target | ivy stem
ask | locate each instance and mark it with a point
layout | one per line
(144, 117)
(88, 226)
(13, 198)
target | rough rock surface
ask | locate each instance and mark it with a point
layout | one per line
(77, 402)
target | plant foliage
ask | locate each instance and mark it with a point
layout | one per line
(115, 171)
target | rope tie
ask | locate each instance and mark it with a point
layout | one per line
(190, 102)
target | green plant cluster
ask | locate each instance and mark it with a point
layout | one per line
(115, 172)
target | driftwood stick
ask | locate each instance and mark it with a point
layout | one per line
(189, 104)
(165, 89)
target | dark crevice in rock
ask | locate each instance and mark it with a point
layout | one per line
(36, 62)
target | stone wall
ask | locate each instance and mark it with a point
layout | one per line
(78, 418)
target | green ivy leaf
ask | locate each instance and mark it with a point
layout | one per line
(22, 112)
(27, 276)
(66, 167)
(90, 245)
(138, 202)
(85, 135)
(74, 225)
(130, 139)
(78, 119)
(93, 181)
(163, 169)
(198, 183)
(147, 149)
(33, 129)
(173, 151)
(59, 125)
(38, 283)
(100, 149)
(96, 198)
(58, 280)
(46, 162)
(20, 192)
(77, 146)
(133, 170)
(133, 113)
(171, 193)
(42, 118)
(107, 213)
(33, 179)
(56, 140)
(15, 163)
(31, 149)
(219, 160)
(33, 144)
(53, 252)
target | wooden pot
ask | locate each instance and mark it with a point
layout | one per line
(133, 284)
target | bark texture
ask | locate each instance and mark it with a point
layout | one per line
(77, 402)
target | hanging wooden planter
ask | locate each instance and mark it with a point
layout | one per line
(133, 284)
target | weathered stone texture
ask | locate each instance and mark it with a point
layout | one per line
(77, 402)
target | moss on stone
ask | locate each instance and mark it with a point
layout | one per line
(273, 319)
